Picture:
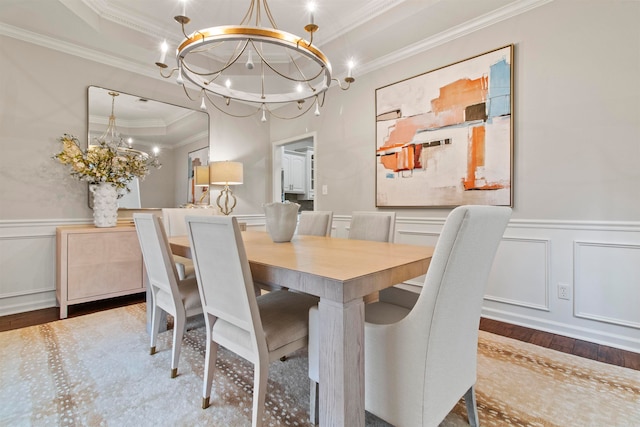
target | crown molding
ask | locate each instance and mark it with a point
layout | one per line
(76, 50)
(452, 33)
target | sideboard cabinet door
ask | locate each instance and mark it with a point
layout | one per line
(97, 263)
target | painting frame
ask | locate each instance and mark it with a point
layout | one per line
(444, 138)
(199, 157)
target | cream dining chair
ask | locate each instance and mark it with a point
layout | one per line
(420, 360)
(315, 223)
(375, 226)
(180, 298)
(259, 329)
(175, 225)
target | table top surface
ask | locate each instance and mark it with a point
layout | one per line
(330, 257)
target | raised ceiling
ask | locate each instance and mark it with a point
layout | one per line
(127, 33)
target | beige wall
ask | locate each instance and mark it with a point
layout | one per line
(43, 94)
(576, 112)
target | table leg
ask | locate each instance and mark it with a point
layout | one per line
(341, 363)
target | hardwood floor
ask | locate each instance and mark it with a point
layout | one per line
(37, 317)
(589, 350)
(573, 346)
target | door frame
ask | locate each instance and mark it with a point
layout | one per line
(276, 161)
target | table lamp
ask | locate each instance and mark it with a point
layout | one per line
(226, 173)
(201, 179)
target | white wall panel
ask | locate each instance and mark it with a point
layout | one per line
(520, 273)
(607, 282)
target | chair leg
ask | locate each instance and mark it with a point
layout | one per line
(179, 326)
(314, 403)
(155, 327)
(472, 408)
(211, 355)
(260, 375)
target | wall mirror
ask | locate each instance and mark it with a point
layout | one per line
(143, 124)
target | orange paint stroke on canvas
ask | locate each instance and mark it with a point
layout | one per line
(460, 94)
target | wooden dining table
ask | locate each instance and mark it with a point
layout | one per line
(341, 272)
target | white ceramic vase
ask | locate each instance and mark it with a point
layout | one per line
(105, 204)
(282, 219)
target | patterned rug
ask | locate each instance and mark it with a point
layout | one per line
(95, 370)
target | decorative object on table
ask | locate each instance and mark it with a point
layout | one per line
(445, 137)
(226, 173)
(282, 219)
(199, 157)
(107, 163)
(282, 60)
(201, 179)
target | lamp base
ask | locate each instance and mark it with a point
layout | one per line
(229, 200)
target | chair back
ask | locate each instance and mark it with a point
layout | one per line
(447, 313)
(376, 226)
(223, 275)
(315, 223)
(158, 260)
(174, 219)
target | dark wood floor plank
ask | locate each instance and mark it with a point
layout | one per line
(563, 344)
(586, 349)
(541, 338)
(610, 355)
(631, 360)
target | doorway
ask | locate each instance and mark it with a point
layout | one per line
(294, 170)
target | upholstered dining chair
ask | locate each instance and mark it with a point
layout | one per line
(259, 329)
(315, 223)
(180, 298)
(175, 225)
(375, 226)
(420, 360)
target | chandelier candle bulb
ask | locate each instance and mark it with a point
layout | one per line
(163, 52)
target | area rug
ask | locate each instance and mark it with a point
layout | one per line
(95, 370)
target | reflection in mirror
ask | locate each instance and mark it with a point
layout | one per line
(144, 124)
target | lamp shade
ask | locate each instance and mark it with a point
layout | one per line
(225, 173)
(201, 175)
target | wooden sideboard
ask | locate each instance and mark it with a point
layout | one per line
(97, 263)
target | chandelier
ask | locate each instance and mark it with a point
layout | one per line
(271, 67)
(113, 139)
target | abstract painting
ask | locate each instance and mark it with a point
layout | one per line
(199, 157)
(445, 138)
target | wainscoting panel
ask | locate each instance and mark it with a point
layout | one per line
(27, 263)
(607, 282)
(520, 273)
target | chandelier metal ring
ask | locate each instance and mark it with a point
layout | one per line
(215, 35)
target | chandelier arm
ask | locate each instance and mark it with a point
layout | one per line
(305, 80)
(168, 75)
(217, 72)
(207, 48)
(247, 17)
(187, 93)
(240, 116)
(183, 31)
(269, 15)
(289, 118)
(323, 98)
(346, 86)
